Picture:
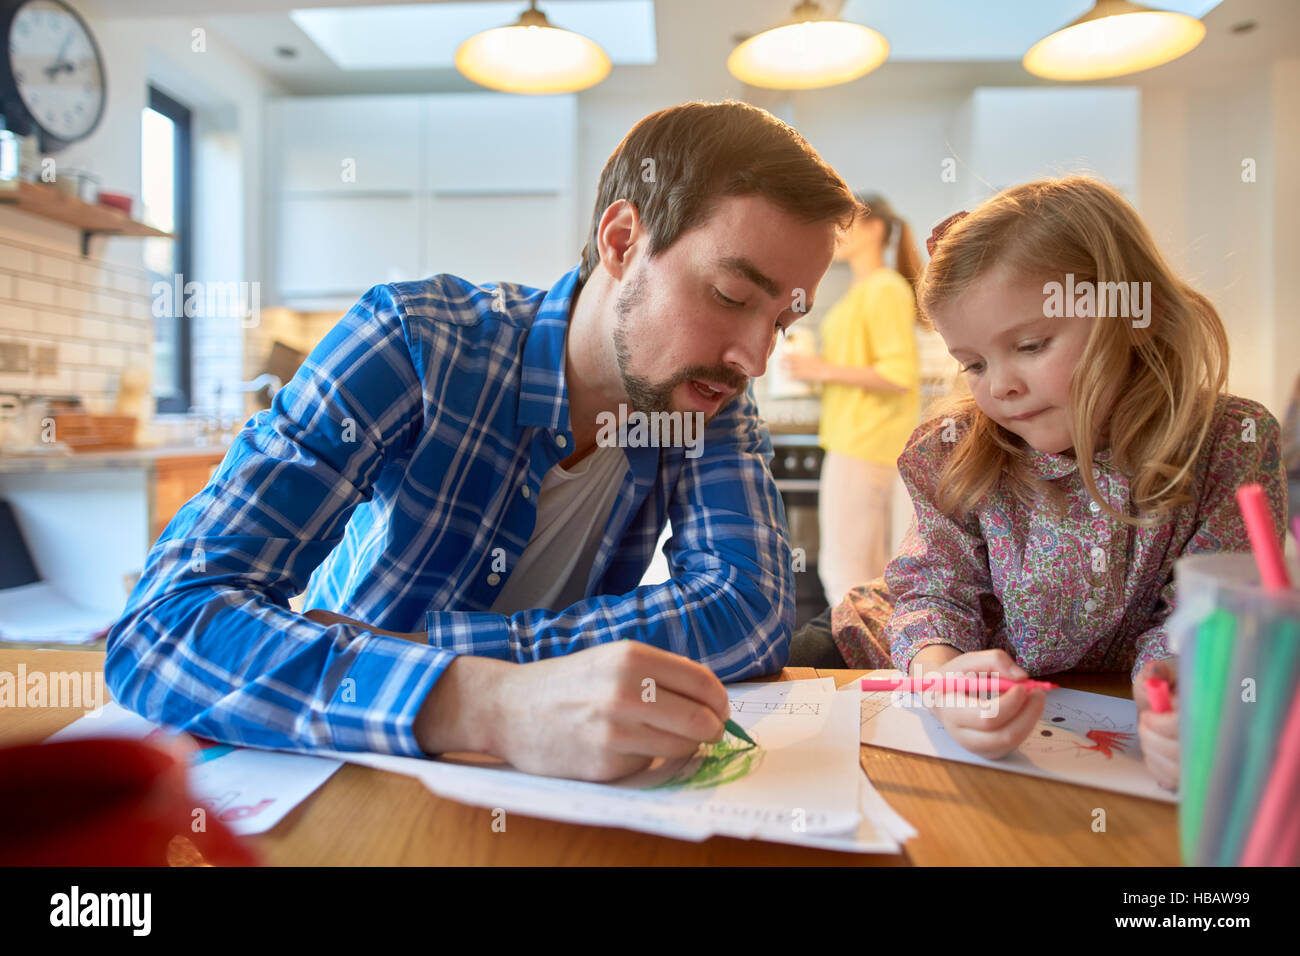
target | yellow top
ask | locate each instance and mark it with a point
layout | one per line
(874, 324)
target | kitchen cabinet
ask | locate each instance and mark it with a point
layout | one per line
(347, 144)
(480, 185)
(343, 245)
(176, 481)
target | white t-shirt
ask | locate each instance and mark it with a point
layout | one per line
(573, 508)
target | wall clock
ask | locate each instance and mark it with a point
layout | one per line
(51, 73)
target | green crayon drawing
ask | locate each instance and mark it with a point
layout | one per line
(715, 764)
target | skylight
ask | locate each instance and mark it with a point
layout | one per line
(425, 36)
(938, 30)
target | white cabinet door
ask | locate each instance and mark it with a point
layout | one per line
(480, 185)
(523, 238)
(338, 247)
(494, 143)
(347, 144)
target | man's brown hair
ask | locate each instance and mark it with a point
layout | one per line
(675, 164)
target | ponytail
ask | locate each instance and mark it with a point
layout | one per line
(908, 263)
(909, 260)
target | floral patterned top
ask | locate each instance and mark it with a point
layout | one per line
(1080, 591)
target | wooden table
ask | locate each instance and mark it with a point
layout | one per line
(962, 813)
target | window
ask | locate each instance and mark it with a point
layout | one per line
(166, 177)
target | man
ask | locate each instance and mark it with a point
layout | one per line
(473, 547)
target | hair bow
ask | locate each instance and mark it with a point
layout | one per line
(937, 233)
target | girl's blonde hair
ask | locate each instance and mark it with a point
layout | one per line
(1159, 382)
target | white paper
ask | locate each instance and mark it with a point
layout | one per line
(39, 613)
(1082, 738)
(808, 787)
(250, 790)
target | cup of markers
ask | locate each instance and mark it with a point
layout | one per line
(1237, 638)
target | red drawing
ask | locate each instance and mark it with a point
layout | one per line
(1106, 741)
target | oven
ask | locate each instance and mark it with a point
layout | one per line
(797, 466)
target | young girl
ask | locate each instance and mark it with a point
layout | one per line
(1095, 449)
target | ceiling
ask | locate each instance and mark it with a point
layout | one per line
(933, 42)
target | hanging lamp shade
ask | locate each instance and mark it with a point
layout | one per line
(809, 51)
(531, 56)
(1114, 38)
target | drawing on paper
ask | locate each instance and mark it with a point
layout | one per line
(1061, 730)
(873, 702)
(1064, 729)
(715, 764)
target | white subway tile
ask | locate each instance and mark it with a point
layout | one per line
(91, 272)
(129, 283)
(35, 292)
(77, 353)
(16, 318)
(17, 381)
(58, 324)
(15, 258)
(70, 297)
(55, 268)
(93, 327)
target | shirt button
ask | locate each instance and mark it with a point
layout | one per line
(494, 579)
(561, 441)
(1092, 506)
(526, 491)
(1090, 605)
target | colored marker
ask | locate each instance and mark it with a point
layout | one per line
(956, 684)
(1158, 694)
(1263, 540)
(736, 730)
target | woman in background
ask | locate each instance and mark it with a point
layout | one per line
(871, 396)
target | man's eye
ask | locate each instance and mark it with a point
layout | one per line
(729, 303)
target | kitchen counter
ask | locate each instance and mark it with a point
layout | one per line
(143, 457)
(792, 428)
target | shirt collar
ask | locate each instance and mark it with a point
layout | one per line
(1050, 467)
(543, 395)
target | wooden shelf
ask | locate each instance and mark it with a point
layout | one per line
(45, 201)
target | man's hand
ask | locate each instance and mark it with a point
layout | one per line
(597, 714)
(1158, 733)
(600, 713)
(608, 711)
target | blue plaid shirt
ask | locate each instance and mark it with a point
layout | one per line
(391, 477)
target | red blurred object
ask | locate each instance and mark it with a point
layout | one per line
(103, 802)
(116, 200)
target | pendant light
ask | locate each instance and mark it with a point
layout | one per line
(1114, 38)
(809, 51)
(531, 56)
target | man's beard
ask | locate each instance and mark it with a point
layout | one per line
(642, 394)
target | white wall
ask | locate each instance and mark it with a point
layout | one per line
(1232, 239)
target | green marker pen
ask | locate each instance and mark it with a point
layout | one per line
(736, 730)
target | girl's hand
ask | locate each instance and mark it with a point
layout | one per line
(1158, 733)
(805, 368)
(990, 728)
